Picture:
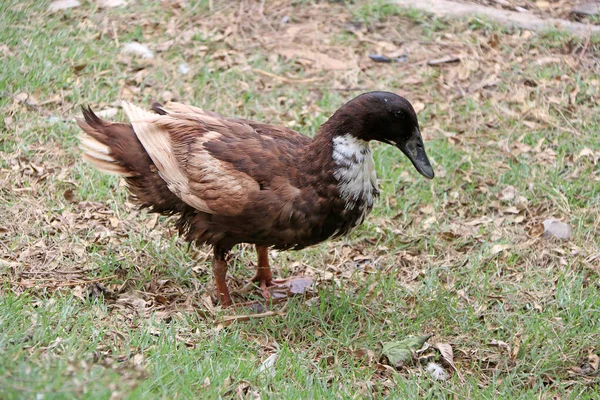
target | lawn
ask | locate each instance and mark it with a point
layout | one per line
(99, 300)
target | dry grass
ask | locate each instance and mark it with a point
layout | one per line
(101, 300)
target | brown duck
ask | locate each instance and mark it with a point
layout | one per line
(236, 181)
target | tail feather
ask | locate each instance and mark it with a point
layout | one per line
(95, 144)
(115, 149)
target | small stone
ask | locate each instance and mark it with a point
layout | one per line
(554, 228)
(138, 49)
(184, 68)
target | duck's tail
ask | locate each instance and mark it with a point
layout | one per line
(115, 149)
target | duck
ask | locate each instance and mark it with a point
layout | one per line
(232, 180)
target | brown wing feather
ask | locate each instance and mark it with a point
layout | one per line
(212, 163)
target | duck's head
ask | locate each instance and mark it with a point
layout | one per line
(389, 118)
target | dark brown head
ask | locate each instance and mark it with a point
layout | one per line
(388, 118)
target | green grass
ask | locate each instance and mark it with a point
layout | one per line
(147, 331)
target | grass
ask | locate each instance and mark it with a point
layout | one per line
(98, 302)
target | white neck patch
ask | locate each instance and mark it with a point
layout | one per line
(355, 171)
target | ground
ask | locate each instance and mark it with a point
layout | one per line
(564, 9)
(101, 300)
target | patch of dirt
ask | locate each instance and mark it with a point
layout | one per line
(563, 9)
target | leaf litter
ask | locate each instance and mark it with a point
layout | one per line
(60, 262)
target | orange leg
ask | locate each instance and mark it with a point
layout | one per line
(220, 272)
(263, 272)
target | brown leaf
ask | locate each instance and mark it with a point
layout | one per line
(594, 361)
(510, 210)
(448, 356)
(160, 299)
(500, 344)
(507, 194)
(69, 195)
(536, 230)
(21, 97)
(79, 291)
(483, 220)
(365, 354)
(314, 59)
(498, 248)
(586, 152)
(300, 285)
(152, 221)
(428, 209)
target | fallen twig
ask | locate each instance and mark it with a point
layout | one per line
(56, 285)
(284, 79)
(228, 320)
(444, 60)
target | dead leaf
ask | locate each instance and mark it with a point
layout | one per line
(107, 113)
(268, 366)
(446, 352)
(536, 230)
(69, 195)
(594, 361)
(483, 220)
(21, 97)
(428, 209)
(315, 60)
(521, 203)
(152, 221)
(79, 291)
(498, 248)
(542, 5)
(507, 194)
(510, 210)
(110, 3)
(137, 360)
(300, 285)
(59, 5)
(418, 107)
(500, 344)
(586, 152)
(365, 354)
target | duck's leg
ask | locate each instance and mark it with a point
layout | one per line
(263, 272)
(220, 271)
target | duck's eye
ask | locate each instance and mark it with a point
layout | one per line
(399, 114)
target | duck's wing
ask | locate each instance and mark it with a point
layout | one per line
(213, 164)
(173, 107)
(280, 133)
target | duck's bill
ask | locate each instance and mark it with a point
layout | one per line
(415, 151)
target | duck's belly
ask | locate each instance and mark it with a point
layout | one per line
(314, 230)
(293, 227)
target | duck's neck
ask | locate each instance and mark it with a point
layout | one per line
(349, 160)
(354, 170)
